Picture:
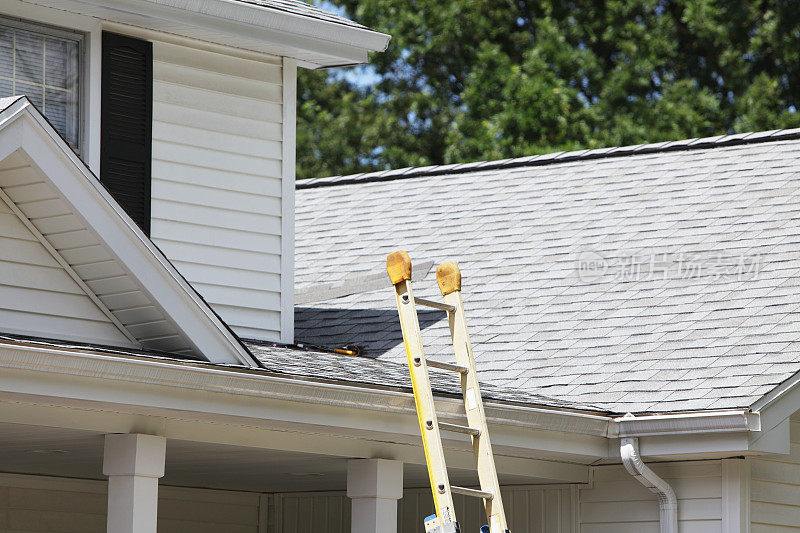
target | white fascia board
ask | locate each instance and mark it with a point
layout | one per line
(315, 42)
(24, 128)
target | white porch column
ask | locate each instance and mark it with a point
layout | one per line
(374, 485)
(133, 464)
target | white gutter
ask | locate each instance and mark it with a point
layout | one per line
(667, 501)
(685, 423)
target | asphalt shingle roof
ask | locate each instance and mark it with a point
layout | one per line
(646, 279)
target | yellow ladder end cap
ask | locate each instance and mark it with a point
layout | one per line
(398, 265)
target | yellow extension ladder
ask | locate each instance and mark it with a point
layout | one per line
(448, 277)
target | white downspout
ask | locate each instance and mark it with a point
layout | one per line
(667, 501)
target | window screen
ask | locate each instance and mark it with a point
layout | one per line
(44, 65)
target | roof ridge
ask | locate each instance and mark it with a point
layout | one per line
(554, 157)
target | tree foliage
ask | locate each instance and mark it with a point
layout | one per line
(465, 80)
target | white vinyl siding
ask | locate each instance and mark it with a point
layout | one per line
(39, 504)
(617, 503)
(216, 189)
(775, 489)
(529, 510)
(37, 296)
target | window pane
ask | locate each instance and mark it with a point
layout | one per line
(29, 57)
(45, 68)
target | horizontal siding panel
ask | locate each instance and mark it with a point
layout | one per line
(50, 303)
(216, 179)
(194, 214)
(771, 513)
(210, 255)
(12, 228)
(38, 278)
(30, 252)
(778, 493)
(244, 297)
(200, 157)
(230, 277)
(62, 327)
(218, 82)
(212, 140)
(234, 201)
(170, 93)
(775, 471)
(266, 70)
(252, 318)
(216, 236)
(214, 120)
(258, 332)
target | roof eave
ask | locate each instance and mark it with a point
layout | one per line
(313, 42)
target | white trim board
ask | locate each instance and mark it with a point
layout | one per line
(25, 131)
(287, 200)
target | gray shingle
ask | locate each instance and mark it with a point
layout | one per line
(716, 324)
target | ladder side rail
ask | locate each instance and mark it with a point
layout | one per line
(473, 403)
(423, 395)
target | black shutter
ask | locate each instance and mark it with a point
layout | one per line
(126, 124)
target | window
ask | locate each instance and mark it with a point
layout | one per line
(44, 65)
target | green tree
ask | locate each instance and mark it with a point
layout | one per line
(465, 80)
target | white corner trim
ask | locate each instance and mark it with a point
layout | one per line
(67, 268)
(288, 165)
(136, 253)
(736, 495)
(667, 501)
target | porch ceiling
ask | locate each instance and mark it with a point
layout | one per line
(79, 454)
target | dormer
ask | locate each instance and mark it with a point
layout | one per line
(186, 113)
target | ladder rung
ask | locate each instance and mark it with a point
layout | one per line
(435, 305)
(448, 366)
(460, 429)
(472, 492)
